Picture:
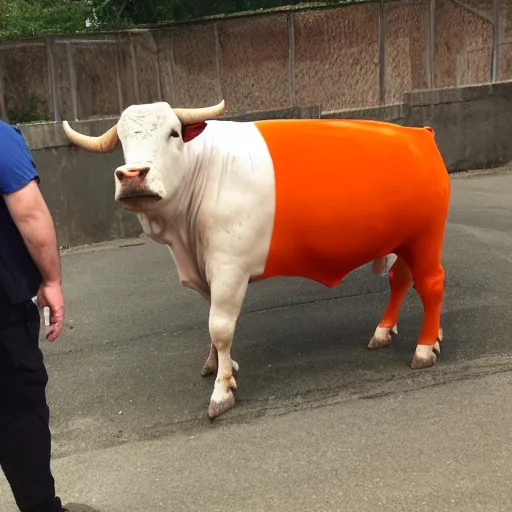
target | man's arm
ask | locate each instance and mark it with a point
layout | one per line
(34, 222)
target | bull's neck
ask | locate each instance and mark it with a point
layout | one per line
(176, 223)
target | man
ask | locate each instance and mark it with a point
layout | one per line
(29, 266)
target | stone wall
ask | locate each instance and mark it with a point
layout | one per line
(357, 56)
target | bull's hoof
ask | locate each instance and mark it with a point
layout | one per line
(218, 408)
(209, 368)
(382, 337)
(425, 356)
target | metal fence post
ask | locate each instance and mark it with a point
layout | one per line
(218, 73)
(291, 57)
(119, 86)
(431, 47)
(495, 39)
(135, 75)
(382, 51)
(52, 84)
(3, 111)
(72, 80)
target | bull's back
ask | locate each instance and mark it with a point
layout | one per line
(348, 192)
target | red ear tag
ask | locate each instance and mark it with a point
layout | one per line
(191, 131)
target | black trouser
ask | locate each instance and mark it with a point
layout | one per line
(24, 415)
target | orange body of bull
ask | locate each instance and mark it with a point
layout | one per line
(348, 192)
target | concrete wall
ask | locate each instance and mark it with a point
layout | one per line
(355, 56)
(472, 126)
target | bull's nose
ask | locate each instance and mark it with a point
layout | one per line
(131, 173)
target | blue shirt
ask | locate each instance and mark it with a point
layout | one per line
(16, 166)
(19, 276)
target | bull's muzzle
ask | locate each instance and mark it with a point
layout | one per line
(136, 188)
(131, 173)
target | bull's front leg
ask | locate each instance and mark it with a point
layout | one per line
(212, 363)
(228, 287)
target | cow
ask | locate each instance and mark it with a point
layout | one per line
(238, 202)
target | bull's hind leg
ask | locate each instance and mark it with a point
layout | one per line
(428, 274)
(400, 279)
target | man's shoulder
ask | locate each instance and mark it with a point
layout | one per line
(9, 129)
(10, 134)
(17, 168)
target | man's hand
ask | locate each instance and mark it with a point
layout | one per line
(50, 295)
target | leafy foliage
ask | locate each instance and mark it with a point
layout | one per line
(28, 18)
(152, 11)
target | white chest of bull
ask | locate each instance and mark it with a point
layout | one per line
(231, 218)
(189, 268)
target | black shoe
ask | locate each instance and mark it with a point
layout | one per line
(77, 507)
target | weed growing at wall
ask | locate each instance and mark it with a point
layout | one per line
(28, 112)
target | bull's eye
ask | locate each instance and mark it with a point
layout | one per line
(174, 133)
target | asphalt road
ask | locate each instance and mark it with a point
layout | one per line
(321, 423)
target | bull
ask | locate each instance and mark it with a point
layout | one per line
(238, 202)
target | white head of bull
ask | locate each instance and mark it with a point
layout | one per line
(153, 137)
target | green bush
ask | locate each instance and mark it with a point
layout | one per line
(27, 18)
(153, 11)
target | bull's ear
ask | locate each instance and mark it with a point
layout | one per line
(191, 131)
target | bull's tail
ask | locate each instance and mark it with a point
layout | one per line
(441, 162)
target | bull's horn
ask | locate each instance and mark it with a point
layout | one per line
(198, 115)
(102, 144)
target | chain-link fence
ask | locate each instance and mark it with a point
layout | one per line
(356, 56)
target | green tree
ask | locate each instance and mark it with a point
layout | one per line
(26, 18)
(113, 12)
